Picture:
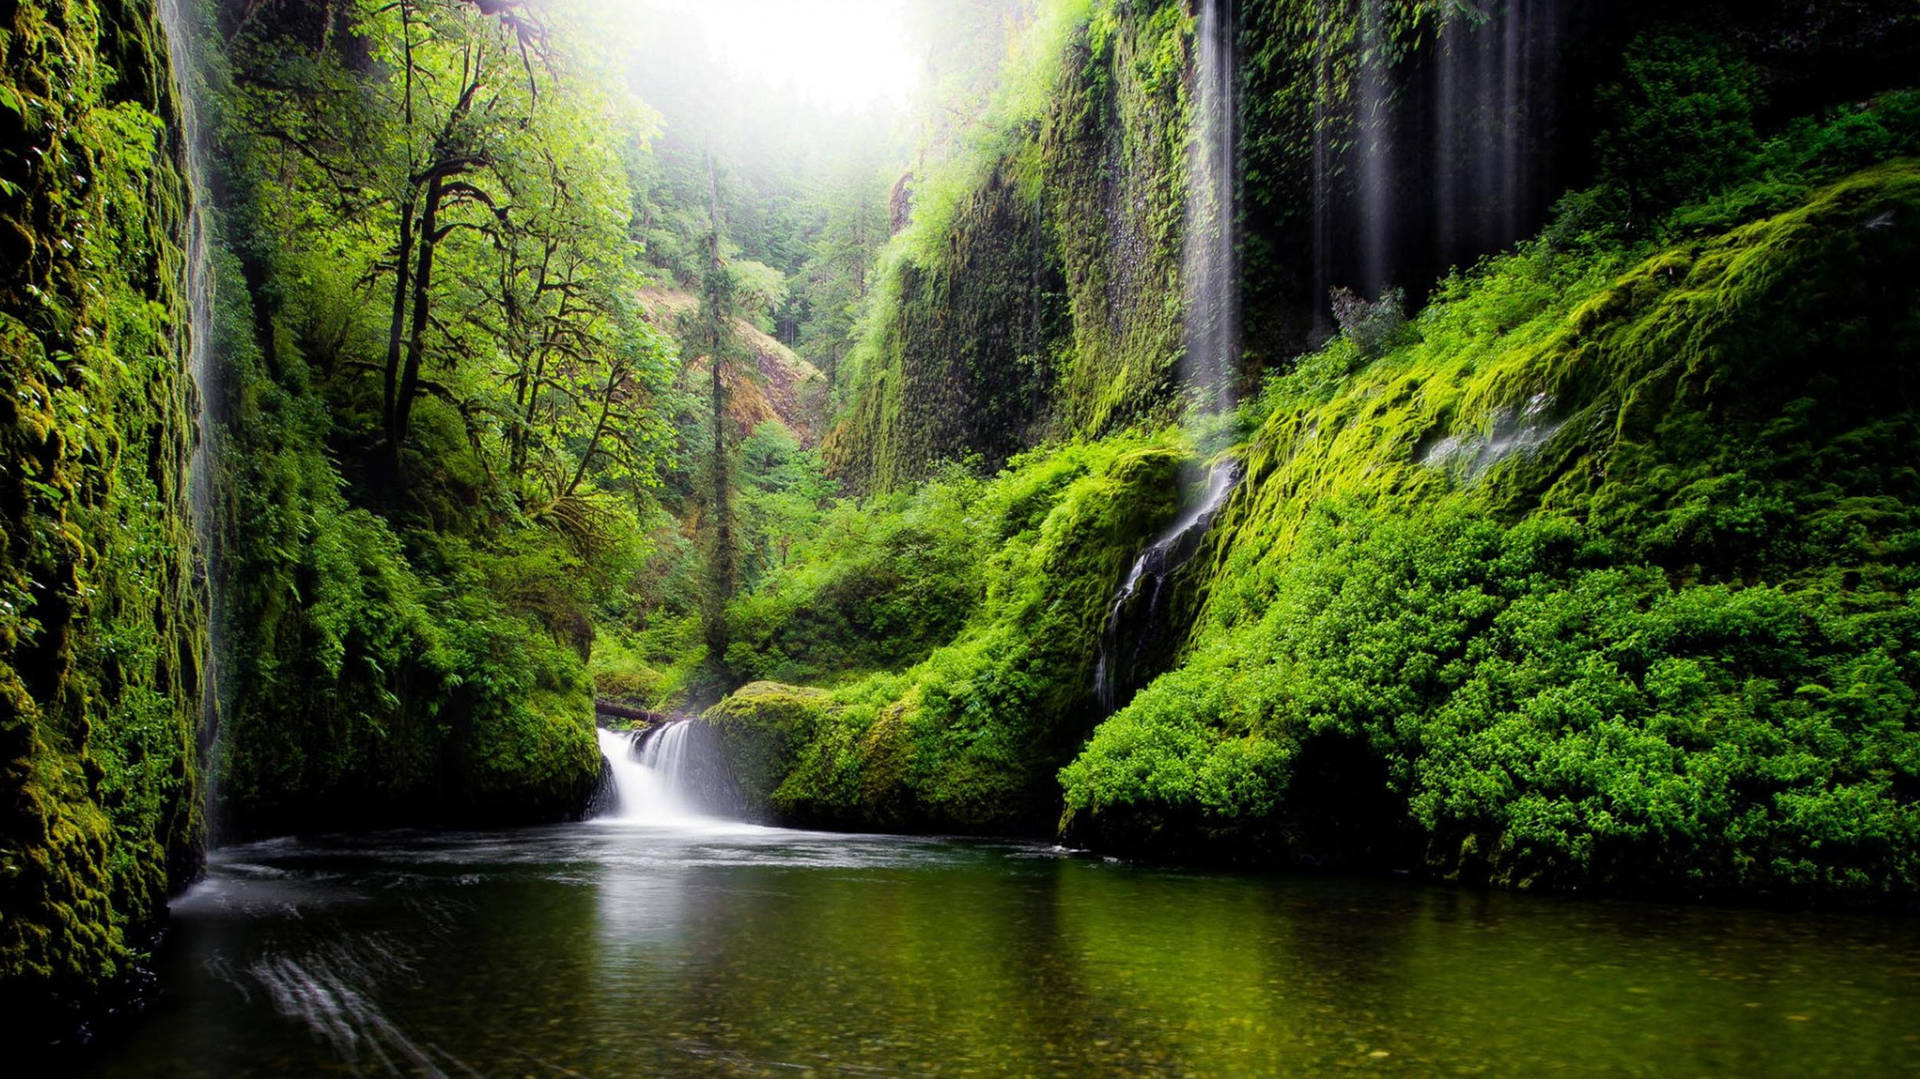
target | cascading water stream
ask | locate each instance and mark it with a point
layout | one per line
(1210, 258)
(1372, 100)
(1494, 102)
(1138, 612)
(183, 38)
(1137, 616)
(664, 775)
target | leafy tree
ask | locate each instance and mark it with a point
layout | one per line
(1680, 121)
(714, 330)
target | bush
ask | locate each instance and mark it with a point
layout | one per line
(1679, 121)
(969, 735)
(1372, 326)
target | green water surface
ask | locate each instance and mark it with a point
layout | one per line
(728, 950)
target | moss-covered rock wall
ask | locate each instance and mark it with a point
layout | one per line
(1603, 578)
(1039, 291)
(1040, 295)
(102, 613)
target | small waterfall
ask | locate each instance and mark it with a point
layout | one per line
(666, 774)
(1136, 625)
(184, 36)
(1494, 101)
(1324, 158)
(1514, 430)
(1211, 256)
(1373, 101)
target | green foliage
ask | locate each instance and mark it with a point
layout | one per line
(102, 621)
(422, 522)
(1371, 326)
(1018, 571)
(865, 586)
(1679, 121)
(1601, 581)
(761, 290)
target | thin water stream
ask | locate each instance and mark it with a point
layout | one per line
(661, 942)
(1137, 617)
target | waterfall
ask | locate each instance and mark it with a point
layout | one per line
(1493, 104)
(1211, 262)
(1137, 625)
(183, 38)
(1373, 100)
(1135, 633)
(668, 774)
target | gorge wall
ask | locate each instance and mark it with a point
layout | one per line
(1038, 292)
(1592, 571)
(103, 607)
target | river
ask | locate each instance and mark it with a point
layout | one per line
(671, 944)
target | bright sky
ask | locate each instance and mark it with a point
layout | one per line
(841, 53)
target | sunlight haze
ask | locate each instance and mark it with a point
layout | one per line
(840, 53)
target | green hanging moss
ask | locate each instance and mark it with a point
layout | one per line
(102, 623)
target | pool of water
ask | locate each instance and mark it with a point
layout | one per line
(701, 948)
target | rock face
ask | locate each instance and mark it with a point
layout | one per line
(102, 612)
(1379, 144)
(762, 728)
(783, 387)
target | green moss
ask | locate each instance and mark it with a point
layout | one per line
(1037, 292)
(1605, 580)
(968, 738)
(393, 657)
(764, 726)
(102, 626)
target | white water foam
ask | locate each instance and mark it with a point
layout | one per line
(653, 781)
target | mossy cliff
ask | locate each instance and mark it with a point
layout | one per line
(102, 614)
(1037, 290)
(1603, 578)
(1597, 574)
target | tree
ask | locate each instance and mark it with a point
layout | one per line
(715, 333)
(1680, 121)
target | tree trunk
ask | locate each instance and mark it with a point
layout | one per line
(416, 339)
(396, 335)
(721, 583)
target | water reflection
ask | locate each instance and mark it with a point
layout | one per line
(608, 950)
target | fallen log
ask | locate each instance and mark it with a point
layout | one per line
(621, 711)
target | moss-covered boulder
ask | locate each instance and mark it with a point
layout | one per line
(762, 727)
(968, 738)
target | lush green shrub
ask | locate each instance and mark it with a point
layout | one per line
(1661, 637)
(1679, 121)
(877, 585)
(970, 735)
